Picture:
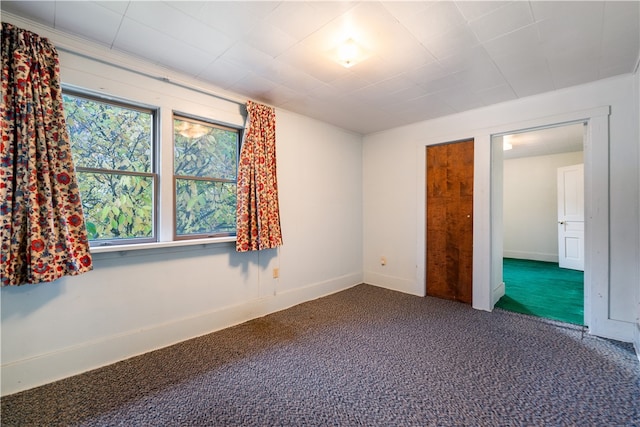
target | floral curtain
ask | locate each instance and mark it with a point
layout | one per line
(42, 230)
(258, 213)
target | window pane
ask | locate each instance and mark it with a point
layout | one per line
(203, 150)
(109, 136)
(205, 207)
(117, 206)
(112, 145)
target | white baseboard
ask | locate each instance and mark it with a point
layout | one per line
(636, 340)
(394, 283)
(498, 292)
(535, 256)
(614, 329)
(45, 368)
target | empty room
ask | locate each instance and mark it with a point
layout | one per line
(293, 212)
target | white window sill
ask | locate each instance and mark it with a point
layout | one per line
(160, 245)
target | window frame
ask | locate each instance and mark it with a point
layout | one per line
(155, 145)
(179, 115)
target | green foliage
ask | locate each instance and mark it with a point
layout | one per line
(206, 205)
(111, 138)
(117, 206)
(107, 136)
(212, 155)
(108, 139)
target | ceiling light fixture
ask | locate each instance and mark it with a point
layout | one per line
(507, 142)
(348, 53)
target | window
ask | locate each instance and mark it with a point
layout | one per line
(205, 169)
(113, 147)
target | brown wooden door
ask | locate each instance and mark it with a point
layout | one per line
(450, 221)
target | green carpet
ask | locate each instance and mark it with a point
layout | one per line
(543, 289)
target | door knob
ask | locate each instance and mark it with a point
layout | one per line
(561, 222)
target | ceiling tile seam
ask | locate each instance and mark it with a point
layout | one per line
(115, 36)
(204, 53)
(55, 14)
(507, 33)
(302, 40)
(205, 23)
(493, 62)
(506, 80)
(602, 42)
(453, 107)
(539, 36)
(214, 60)
(533, 14)
(437, 60)
(468, 21)
(601, 46)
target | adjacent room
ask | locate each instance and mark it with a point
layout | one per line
(543, 217)
(303, 212)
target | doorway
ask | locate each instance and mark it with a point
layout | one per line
(529, 164)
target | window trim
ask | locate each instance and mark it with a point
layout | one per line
(203, 242)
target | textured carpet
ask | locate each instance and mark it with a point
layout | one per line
(543, 289)
(362, 357)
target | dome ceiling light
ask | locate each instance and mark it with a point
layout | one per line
(349, 53)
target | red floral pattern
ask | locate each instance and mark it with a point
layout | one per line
(42, 234)
(258, 213)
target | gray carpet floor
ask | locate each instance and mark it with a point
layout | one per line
(362, 357)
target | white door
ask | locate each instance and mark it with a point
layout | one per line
(571, 217)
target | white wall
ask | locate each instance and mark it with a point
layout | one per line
(137, 301)
(394, 192)
(530, 205)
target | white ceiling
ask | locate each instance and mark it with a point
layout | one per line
(426, 59)
(542, 142)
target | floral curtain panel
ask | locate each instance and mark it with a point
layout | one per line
(258, 213)
(43, 236)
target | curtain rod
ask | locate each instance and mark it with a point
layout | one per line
(61, 40)
(151, 76)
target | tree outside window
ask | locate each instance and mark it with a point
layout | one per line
(205, 172)
(113, 149)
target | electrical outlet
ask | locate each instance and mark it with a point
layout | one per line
(383, 260)
(276, 273)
